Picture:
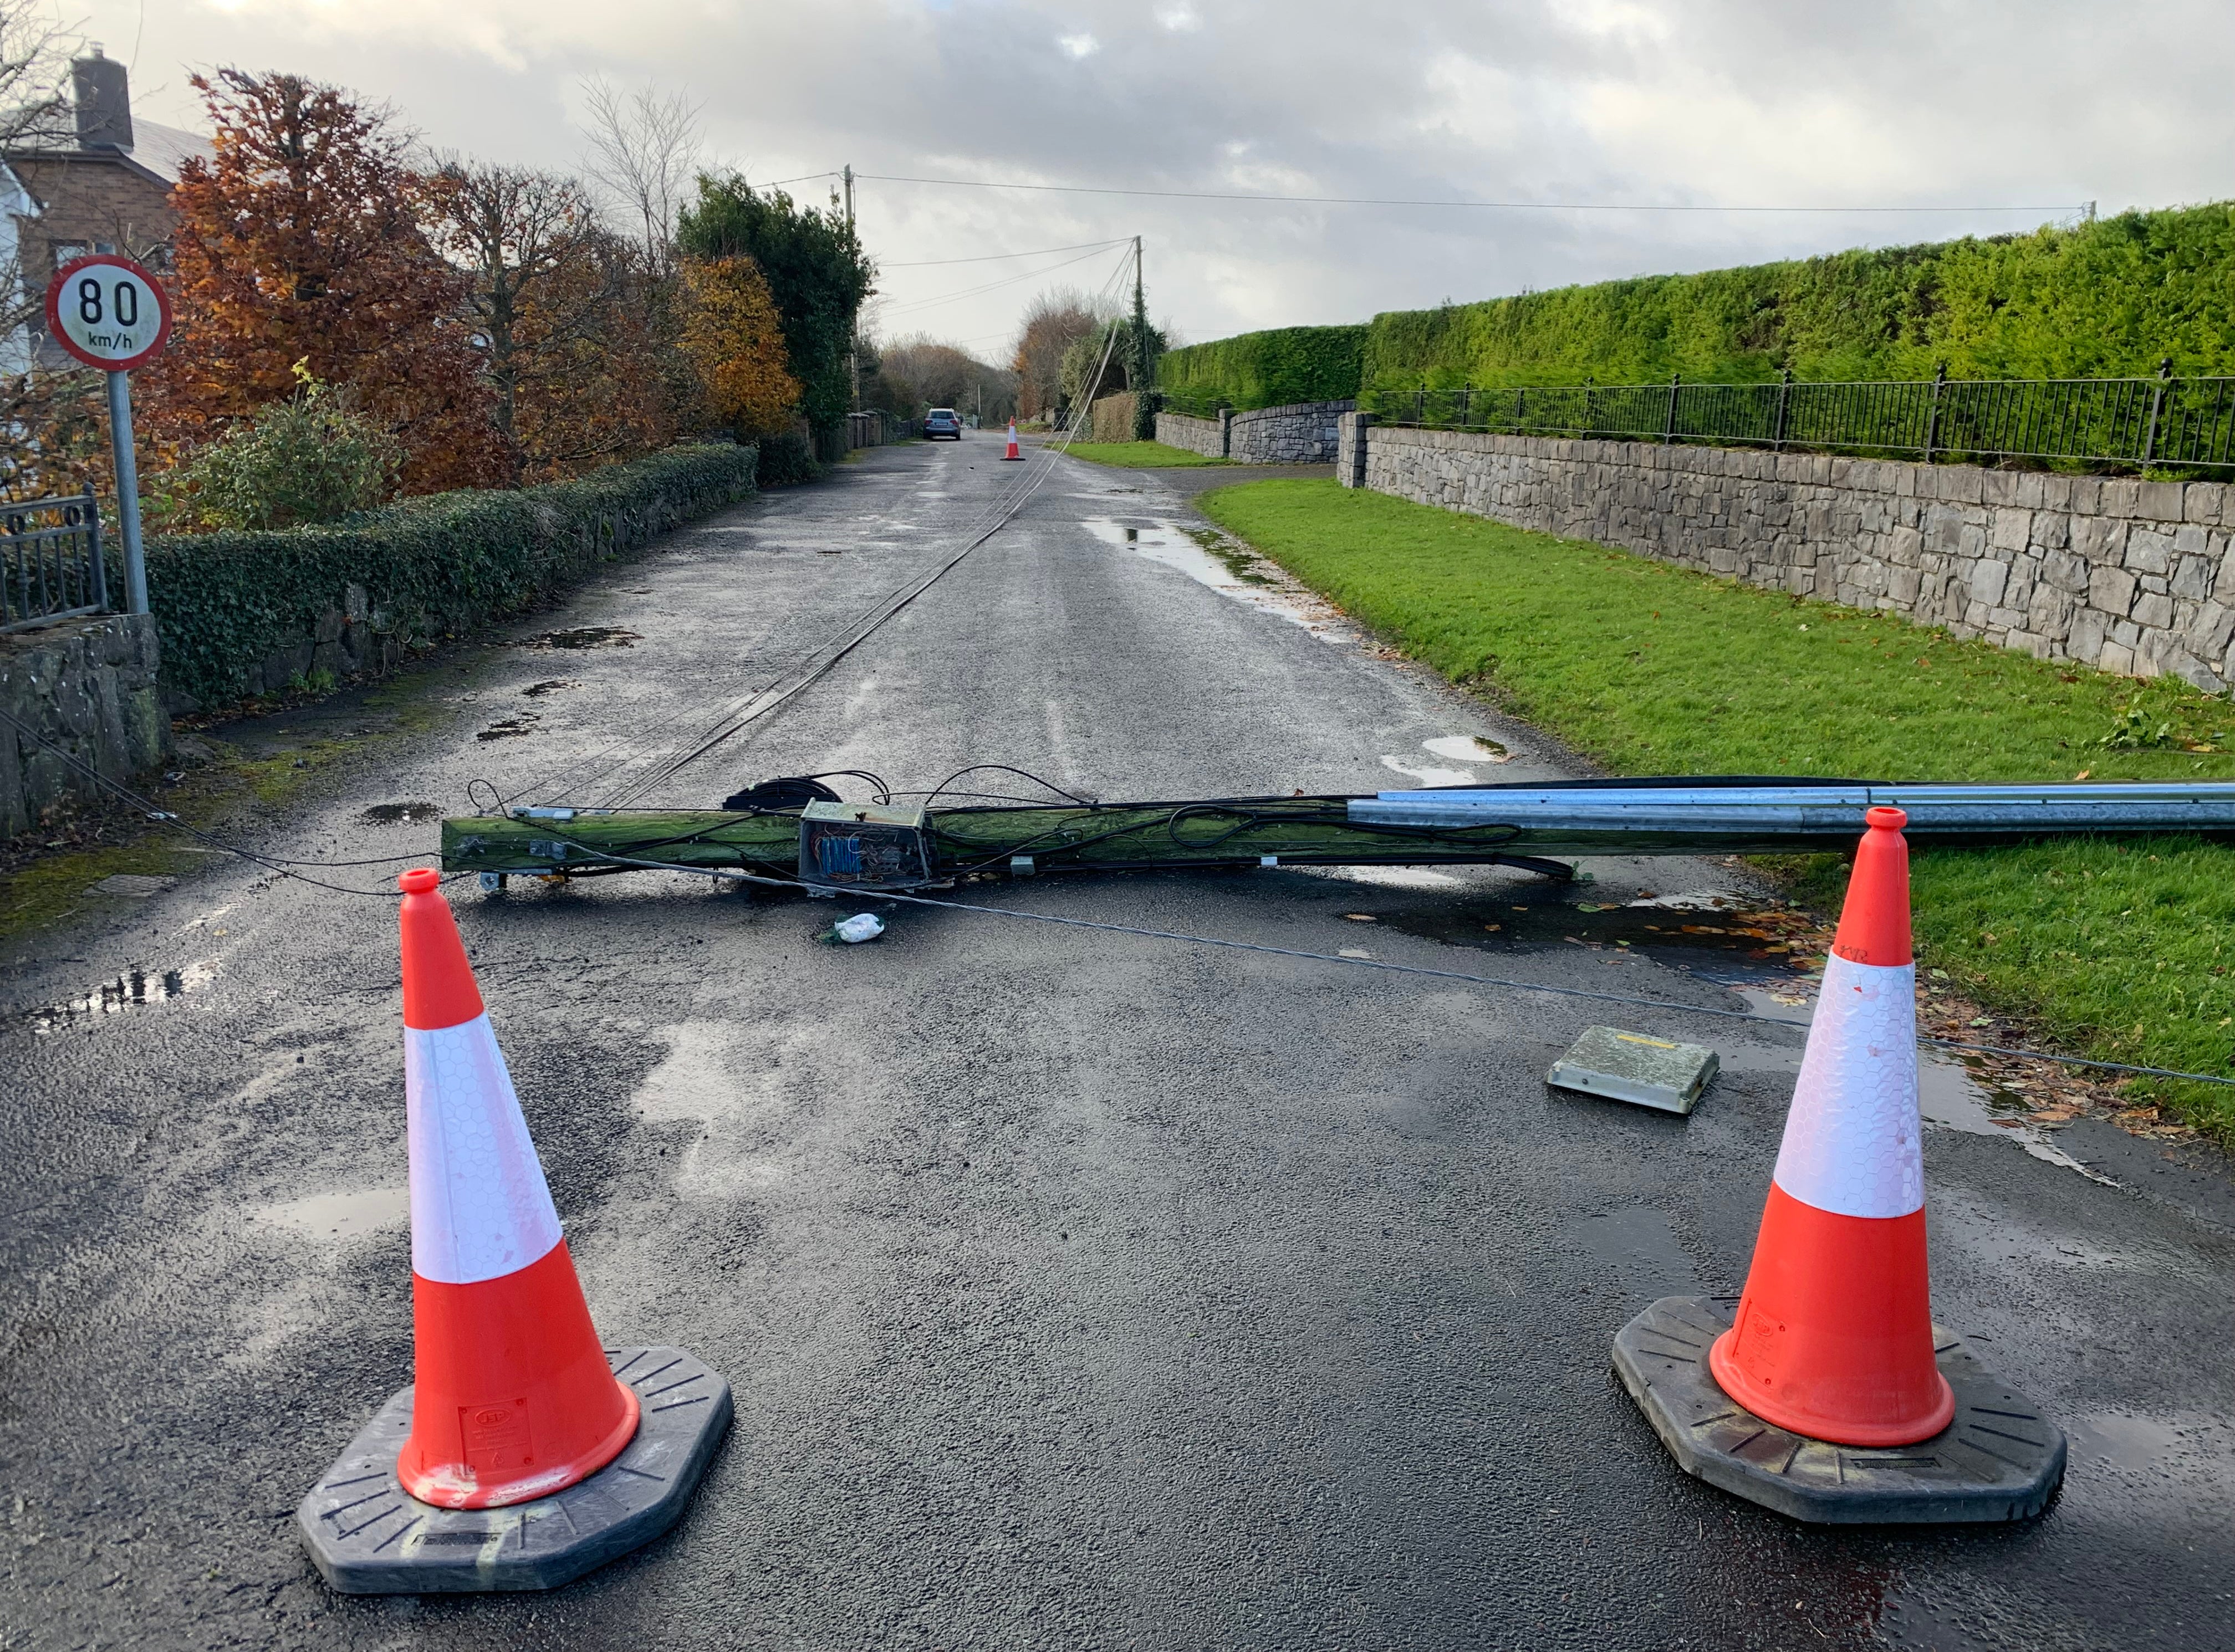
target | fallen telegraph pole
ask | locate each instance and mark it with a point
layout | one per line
(805, 833)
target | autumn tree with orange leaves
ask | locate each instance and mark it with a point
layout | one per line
(301, 242)
(733, 335)
(569, 322)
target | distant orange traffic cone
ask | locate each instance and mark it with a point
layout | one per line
(1833, 1337)
(1013, 453)
(513, 1397)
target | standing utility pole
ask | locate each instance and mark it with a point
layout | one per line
(1144, 368)
(853, 340)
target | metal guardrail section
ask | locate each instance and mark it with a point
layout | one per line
(2131, 422)
(1753, 816)
(50, 566)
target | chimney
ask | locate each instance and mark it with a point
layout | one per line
(104, 103)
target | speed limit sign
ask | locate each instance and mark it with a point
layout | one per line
(111, 314)
(108, 311)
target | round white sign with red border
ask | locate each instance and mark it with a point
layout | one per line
(108, 311)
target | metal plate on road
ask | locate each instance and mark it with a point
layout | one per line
(367, 1537)
(108, 311)
(1631, 1066)
(1999, 1459)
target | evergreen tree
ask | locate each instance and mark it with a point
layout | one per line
(816, 273)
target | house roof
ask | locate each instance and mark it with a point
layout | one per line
(162, 150)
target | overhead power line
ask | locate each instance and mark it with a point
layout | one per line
(1486, 205)
(988, 257)
(915, 304)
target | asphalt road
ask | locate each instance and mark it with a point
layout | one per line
(1077, 1290)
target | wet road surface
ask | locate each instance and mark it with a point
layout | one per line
(1077, 1289)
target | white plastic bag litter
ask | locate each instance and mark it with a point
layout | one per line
(862, 926)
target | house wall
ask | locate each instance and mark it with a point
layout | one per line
(93, 200)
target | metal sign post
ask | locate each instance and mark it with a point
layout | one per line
(111, 314)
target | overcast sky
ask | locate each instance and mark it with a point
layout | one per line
(1718, 103)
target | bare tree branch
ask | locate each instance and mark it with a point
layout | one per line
(644, 147)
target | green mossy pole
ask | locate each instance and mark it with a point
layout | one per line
(1143, 372)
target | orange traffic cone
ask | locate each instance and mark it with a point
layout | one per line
(513, 1397)
(1833, 1336)
(1013, 453)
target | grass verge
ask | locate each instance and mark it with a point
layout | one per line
(2115, 951)
(1139, 455)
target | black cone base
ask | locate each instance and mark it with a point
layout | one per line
(1999, 1459)
(367, 1537)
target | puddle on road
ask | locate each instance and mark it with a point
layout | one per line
(1387, 877)
(1465, 749)
(536, 690)
(1167, 543)
(340, 1215)
(510, 728)
(585, 637)
(1719, 937)
(1427, 774)
(134, 989)
(401, 813)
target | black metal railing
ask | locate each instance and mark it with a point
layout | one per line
(2137, 424)
(1194, 405)
(50, 563)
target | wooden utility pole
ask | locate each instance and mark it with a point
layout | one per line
(1143, 372)
(853, 339)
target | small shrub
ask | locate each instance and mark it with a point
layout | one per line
(786, 459)
(312, 458)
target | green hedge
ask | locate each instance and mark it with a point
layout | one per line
(1267, 369)
(226, 604)
(786, 459)
(2110, 298)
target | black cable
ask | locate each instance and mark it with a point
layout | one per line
(760, 704)
(166, 817)
(1364, 200)
(1008, 768)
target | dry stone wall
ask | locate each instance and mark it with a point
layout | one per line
(2131, 577)
(1205, 436)
(1303, 433)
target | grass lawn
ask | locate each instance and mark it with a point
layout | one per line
(1139, 455)
(2115, 950)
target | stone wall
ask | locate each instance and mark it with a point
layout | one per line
(1303, 433)
(352, 640)
(88, 687)
(1205, 436)
(2131, 577)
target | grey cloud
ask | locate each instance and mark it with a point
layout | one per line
(1675, 101)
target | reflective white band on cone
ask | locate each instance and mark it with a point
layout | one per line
(480, 1207)
(1850, 1139)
